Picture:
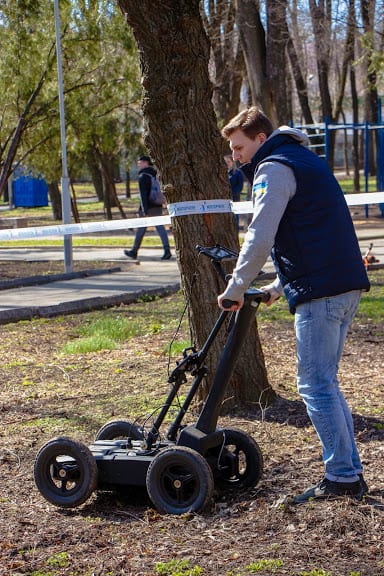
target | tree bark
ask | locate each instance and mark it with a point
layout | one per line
(371, 95)
(55, 198)
(277, 40)
(252, 35)
(321, 13)
(182, 136)
(96, 175)
(229, 66)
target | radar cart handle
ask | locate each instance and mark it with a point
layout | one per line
(255, 295)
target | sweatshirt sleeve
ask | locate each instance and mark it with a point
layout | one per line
(273, 186)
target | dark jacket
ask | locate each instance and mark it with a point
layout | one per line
(316, 251)
(236, 181)
(145, 183)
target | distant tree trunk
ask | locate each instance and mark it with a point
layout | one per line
(321, 14)
(96, 175)
(371, 95)
(347, 58)
(127, 183)
(277, 40)
(296, 60)
(182, 136)
(228, 58)
(252, 35)
(110, 195)
(355, 136)
(55, 198)
(74, 208)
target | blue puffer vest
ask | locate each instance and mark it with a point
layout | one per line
(316, 251)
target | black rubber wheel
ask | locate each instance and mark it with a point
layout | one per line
(119, 430)
(65, 472)
(240, 461)
(179, 480)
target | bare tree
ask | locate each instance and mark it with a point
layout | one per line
(182, 135)
(253, 41)
(370, 95)
(227, 57)
(321, 15)
(277, 41)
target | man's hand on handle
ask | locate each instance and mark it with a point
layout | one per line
(234, 305)
(225, 304)
(274, 294)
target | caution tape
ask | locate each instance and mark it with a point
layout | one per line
(174, 211)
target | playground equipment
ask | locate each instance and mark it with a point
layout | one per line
(319, 137)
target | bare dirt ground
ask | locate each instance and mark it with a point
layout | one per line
(45, 393)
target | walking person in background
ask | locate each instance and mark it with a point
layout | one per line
(236, 181)
(149, 206)
(301, 217)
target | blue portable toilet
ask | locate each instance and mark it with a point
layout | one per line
(29, 192)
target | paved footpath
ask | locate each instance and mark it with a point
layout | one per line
(150, 276)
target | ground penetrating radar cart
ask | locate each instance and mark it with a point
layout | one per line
(181, 468)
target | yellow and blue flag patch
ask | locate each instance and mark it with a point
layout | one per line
(258, 189)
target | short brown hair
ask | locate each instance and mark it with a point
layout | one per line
(251, 121)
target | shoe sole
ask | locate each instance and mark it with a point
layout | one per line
(358, 497)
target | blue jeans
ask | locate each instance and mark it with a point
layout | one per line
(321, 330)
(160, 229)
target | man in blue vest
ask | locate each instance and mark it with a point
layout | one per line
(301, 218)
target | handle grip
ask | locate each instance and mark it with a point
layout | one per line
(258, 295)
(226, 303)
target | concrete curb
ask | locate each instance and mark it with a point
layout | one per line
(86, 305)
(48, 278)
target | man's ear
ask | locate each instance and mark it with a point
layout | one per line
(262, 137)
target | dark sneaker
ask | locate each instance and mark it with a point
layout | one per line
(167, 255)
(328, 489)
(364, 485)
(131, 254)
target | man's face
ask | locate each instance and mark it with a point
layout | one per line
(244, 148)
(142, 164)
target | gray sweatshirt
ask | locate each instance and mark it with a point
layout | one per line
(274, 185)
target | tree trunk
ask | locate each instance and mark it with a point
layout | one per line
(229, 65)
(355, 136)
(277, 39)
(370, 95)
(182, 136)
(252, 35)
(321, 13)
(95, 171)
(111, 199)
(55, 198)
(74, 207)
(347, 58)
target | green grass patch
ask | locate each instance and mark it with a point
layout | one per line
(105, 332)
(97, 242)
(348, 187)
(177, 568)
(177, 347)
(372, 302)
